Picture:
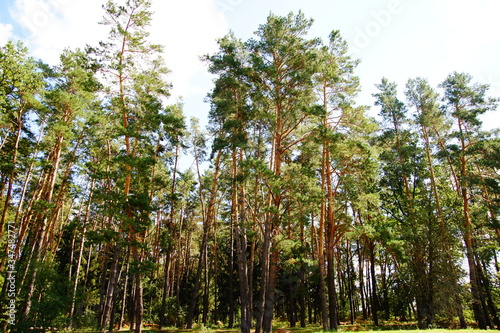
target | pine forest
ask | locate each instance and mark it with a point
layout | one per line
(300, 205)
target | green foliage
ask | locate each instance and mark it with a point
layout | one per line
(107, 221)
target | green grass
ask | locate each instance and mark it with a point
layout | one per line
(318, 330)
(444, 330)
(344, 329)
(359, 327)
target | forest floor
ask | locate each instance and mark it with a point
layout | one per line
(389, 328)
(319, 330)
(312, 330)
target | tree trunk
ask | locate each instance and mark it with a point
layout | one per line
(487, 291)
(124, 298)
(291, 304)
(271, 292)
(206, 301)
(350, 284)
(209, 220)
(231, 270)
(164, 294)
(374, 298)
(321, 241)
(197, 279)
(11, 176)
(139, 305)
(361, 273)
(243, 273)
(303, 287)
(47, 191)
(332, 293)
(75, 283)
(265, 262)
(110, 290)
(474, 282)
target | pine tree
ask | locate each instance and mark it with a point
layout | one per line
(135, 75)
(466, 102)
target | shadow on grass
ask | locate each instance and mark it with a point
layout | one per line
(390, 327)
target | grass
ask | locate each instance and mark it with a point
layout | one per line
(359, 327)
(318, 330)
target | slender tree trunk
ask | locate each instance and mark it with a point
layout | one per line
(111, 289)
(124, 298)
(361, 273)
(80, 257)
(75, 282)
(139, 305)
(374, 298)
(270, 294)
(479, 314)
(171, 230)
(291, 304)
(444, 233)
(239, 241)
(303, 287)
(321, 241)
(206, 301)
(164, 294)
(243, 273)
(331, 242)
(477, 304)
(11, 176)
(19, 225)
(350, 283)
(332, 293)
(194, 295)
(209, 220)
(131, 304)
(42, 219)
(231, 270)
(263, 306)
(265, 278)
(489, 297)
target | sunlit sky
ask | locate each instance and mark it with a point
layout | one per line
(397, 39)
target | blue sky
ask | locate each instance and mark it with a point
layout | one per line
(398, 39)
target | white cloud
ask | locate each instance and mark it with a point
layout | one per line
(5, 33)
(432, 38)
(469, 22)
(473, 38)
(49, 26)
(187, 29)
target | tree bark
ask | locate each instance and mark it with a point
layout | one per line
(209, 220)
(243, 273)
(332, 293)
(139, 305)
(110, 289)
(271, 292)
(374, 298)
(124, 298)
(11, 176)
(265, 278)
(164, 295)
(485, 282)
(479, 313)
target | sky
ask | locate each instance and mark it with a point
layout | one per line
(397, 39)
